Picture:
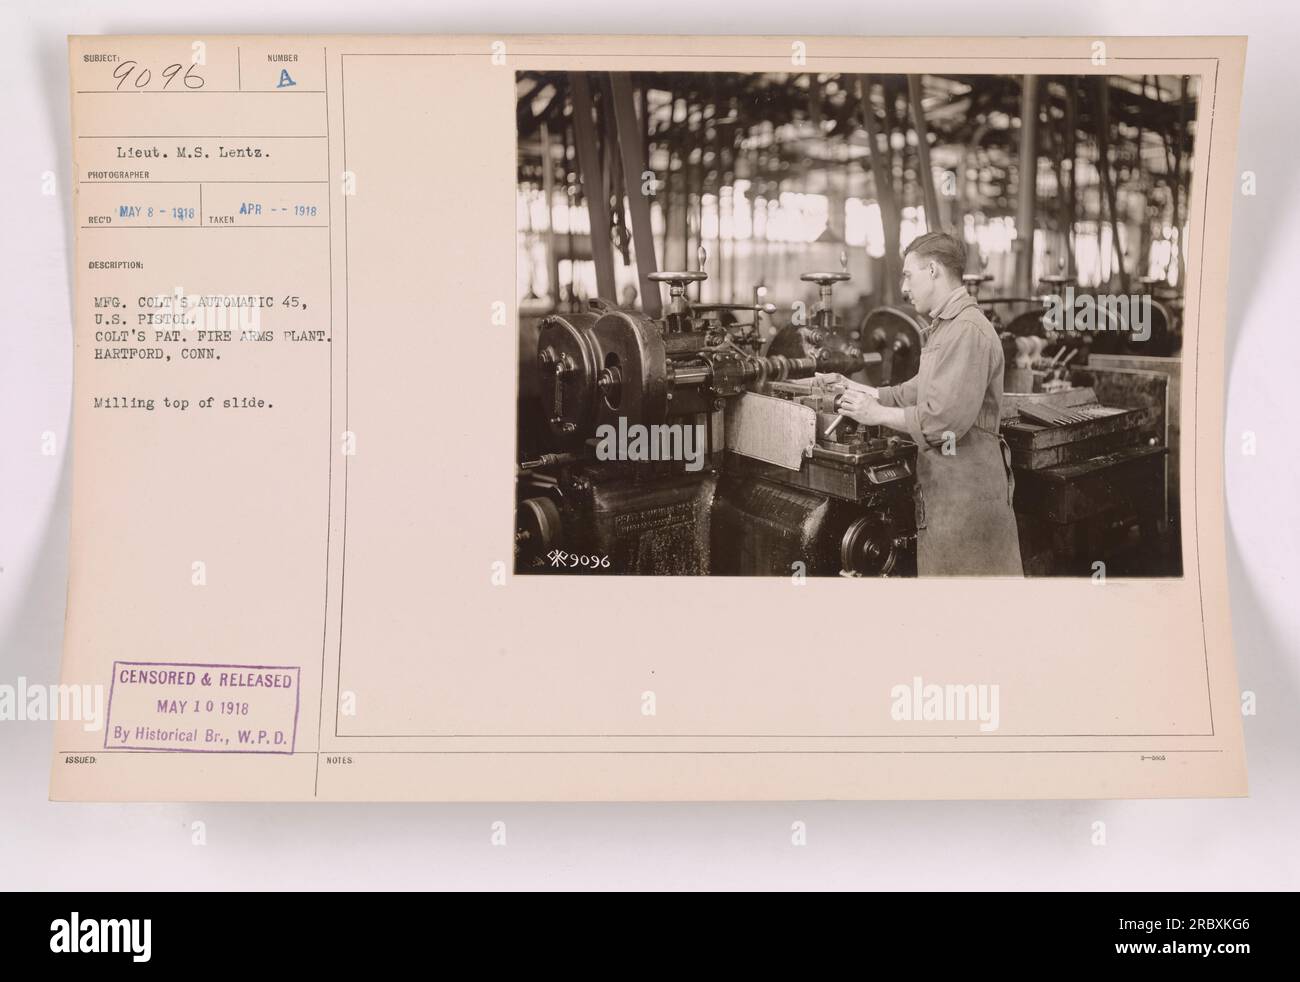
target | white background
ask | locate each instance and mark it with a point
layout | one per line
(1229, 844)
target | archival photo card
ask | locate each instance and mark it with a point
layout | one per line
(649, 418)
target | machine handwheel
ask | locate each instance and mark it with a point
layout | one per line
(867, 548)
(537, 527)
(896, 335)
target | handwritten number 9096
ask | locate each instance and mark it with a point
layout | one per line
(143, 76)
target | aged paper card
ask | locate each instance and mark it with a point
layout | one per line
(410, 459)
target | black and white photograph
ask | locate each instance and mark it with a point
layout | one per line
(815, 324)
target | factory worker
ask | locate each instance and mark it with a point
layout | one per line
(951, 409)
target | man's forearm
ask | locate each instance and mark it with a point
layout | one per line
(892, 417)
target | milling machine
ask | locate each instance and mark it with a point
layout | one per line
(807, 490)
(767, 488)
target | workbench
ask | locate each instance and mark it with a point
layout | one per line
(1083, 487)
(1068, 514)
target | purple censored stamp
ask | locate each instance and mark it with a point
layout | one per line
(189, 707)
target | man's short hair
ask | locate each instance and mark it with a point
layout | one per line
(947, 250)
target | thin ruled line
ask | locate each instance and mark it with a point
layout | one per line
(1196, 385)
(773, 736)
(222, 225)
(910, 58)
(200, 136)
(779, 55)
(347, 388)
(295, 90)
(634, 753)
(248, 181)
(329, 440)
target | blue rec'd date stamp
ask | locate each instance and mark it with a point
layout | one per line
(188, 707)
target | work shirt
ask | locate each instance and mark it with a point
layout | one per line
(966, 525)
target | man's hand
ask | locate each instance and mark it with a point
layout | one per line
(834, 380)
(862, 407)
